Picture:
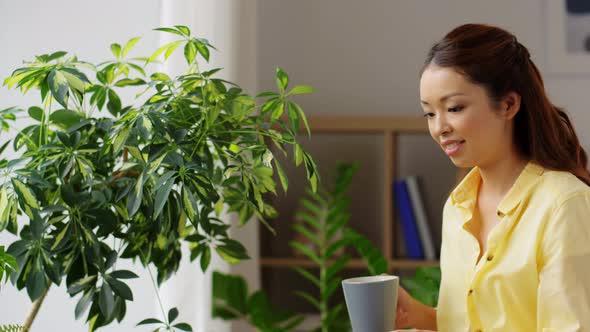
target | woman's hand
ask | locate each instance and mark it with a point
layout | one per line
(411, 313)
(405, 309)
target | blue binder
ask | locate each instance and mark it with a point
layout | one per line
(408, 220)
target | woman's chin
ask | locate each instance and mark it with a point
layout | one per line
(461, 163)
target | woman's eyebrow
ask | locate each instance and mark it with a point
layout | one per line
(445, 97)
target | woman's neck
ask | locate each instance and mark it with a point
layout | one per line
(499, 177)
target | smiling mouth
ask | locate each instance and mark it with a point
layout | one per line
(453, 148)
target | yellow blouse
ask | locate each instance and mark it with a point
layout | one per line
(535, 273)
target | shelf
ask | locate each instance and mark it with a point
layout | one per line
(363, 124)
(353, 263)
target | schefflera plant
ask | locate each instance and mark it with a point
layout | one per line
(100, 178)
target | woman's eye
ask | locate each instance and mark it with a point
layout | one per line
(455, 109)
(428, 115)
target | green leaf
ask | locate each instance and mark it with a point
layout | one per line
(123, 274)
(114, 104)
(301, 116)
(168, 49)
(336, 225)
(190, 205)
(60, 236)
(170, 30)
(336, 246)
(81, 284)
(309, 299)
(282, 176)
(307, 275)
(58, 85)
(298, 154)
(313, 208)
(76, 79)
(282, 79)
(184, 30)
(150, 321)
(121, 139)
(183, 327)
(277, 111)
(135, 197)
(311, 220)
(267, 94)
(172, 315)
(116, 49)
(203, 50)
(5, 207)
(83, 304)
(106, 301)
(232, 251)
(205, 258)
(300, 89)
(36, 283)
(336, 266)
(190, 52)
(311, 236)
(306, 251)
(162, 193)
(25, 194)
(231, 289)
(376, 262)
(120, 288)
(332, 286)
(130, 44)
(129, 81)
(35, 112)
(65, 118)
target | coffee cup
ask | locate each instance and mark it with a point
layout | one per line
(371, 302)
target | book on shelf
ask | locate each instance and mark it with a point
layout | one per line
(413, 220)
(407, 220)
(420, 217)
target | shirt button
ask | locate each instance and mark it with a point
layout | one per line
(490, 257)
(478, 330)
(470, 292)
(500, 214)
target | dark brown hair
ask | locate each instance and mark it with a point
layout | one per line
(495, 59)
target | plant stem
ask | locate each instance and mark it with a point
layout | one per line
(323, 268)
(35, 310)
(158, 296)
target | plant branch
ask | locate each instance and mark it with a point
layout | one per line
(35, 310)
(158, 296)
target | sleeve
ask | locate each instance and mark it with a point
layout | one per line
(563, 302)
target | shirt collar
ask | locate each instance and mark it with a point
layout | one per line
(465, 195)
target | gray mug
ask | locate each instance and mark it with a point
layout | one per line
(371, 302)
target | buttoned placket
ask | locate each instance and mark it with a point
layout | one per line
(496, 236)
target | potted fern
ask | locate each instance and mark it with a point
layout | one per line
(99, 178)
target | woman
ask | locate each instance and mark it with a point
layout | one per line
(515, 250)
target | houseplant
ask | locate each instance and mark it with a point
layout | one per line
(99, 178)
(322, 220)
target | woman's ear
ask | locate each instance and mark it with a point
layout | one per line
(510, 105)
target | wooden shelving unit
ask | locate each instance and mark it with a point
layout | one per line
(354, 263)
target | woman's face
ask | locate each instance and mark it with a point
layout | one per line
(462, 120)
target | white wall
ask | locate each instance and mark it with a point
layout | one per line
(364, 56)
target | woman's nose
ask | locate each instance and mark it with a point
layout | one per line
(441, 126)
